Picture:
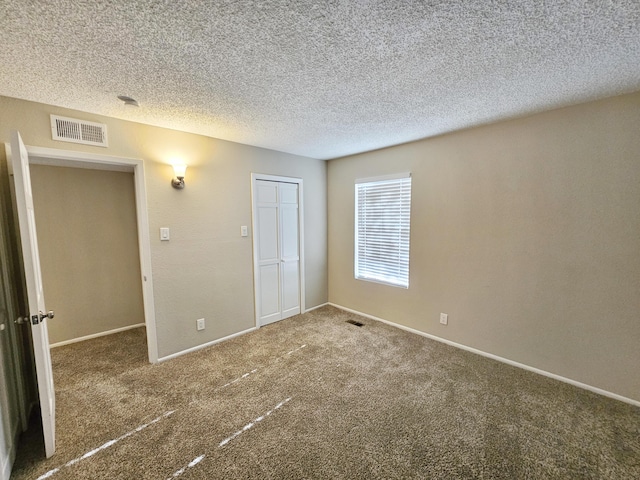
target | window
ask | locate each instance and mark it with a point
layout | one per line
(383, 211)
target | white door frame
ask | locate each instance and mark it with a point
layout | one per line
(67, 158)
(256, 271)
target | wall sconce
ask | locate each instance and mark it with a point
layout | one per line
(179, 171)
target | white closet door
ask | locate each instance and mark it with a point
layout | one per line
(268, 251)
(289, 249)
(278, 262)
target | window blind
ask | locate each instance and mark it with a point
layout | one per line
(383, 213)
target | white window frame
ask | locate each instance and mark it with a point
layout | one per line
(391, 272)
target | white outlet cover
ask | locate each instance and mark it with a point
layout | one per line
(444, 318)
(244, 231)
(200, 324)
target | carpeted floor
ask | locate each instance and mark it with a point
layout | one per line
(316, 397)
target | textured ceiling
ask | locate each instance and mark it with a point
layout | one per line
(318, 78)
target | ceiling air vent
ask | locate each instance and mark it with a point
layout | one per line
(78, 131)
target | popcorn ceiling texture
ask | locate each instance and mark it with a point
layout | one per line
(319, 78)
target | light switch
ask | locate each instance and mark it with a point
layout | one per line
(244, 231)
(164, 234)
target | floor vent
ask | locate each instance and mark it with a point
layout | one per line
(78, 131)
(353, 322)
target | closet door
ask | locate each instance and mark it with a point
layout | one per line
(277, 250)
(289, 250)
(268, 249)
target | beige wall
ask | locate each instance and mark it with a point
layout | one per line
(88, 243)
(526, 232)
(206, 269)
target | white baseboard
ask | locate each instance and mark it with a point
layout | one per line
(316, 307)
(496, 357)
(95, 335)
(229, 337)
(205, 345)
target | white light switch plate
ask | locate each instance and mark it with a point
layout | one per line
(164, 234)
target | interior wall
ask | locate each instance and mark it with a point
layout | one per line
(88, 244)
(9, 406)
(205, 270)
(8, 410)
(14, 374)
(526, 232)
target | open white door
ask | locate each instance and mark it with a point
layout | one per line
(33, 276)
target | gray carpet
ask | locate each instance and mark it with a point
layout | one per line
(315, 397)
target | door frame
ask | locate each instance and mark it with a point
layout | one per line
(68, 158)
(256, 271)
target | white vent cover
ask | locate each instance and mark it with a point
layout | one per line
(78, 131)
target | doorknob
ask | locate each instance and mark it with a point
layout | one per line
(19, 321)
(36, 319)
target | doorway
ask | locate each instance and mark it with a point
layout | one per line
(20, 158)
(278, 247)
(75, 160)
(88, 246)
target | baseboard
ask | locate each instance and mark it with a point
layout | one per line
(96, 335)
(316, 307)
(205, 345)
(575, 383)
(229, 337)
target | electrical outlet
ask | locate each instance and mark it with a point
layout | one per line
(200, 324)
(444, 318)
